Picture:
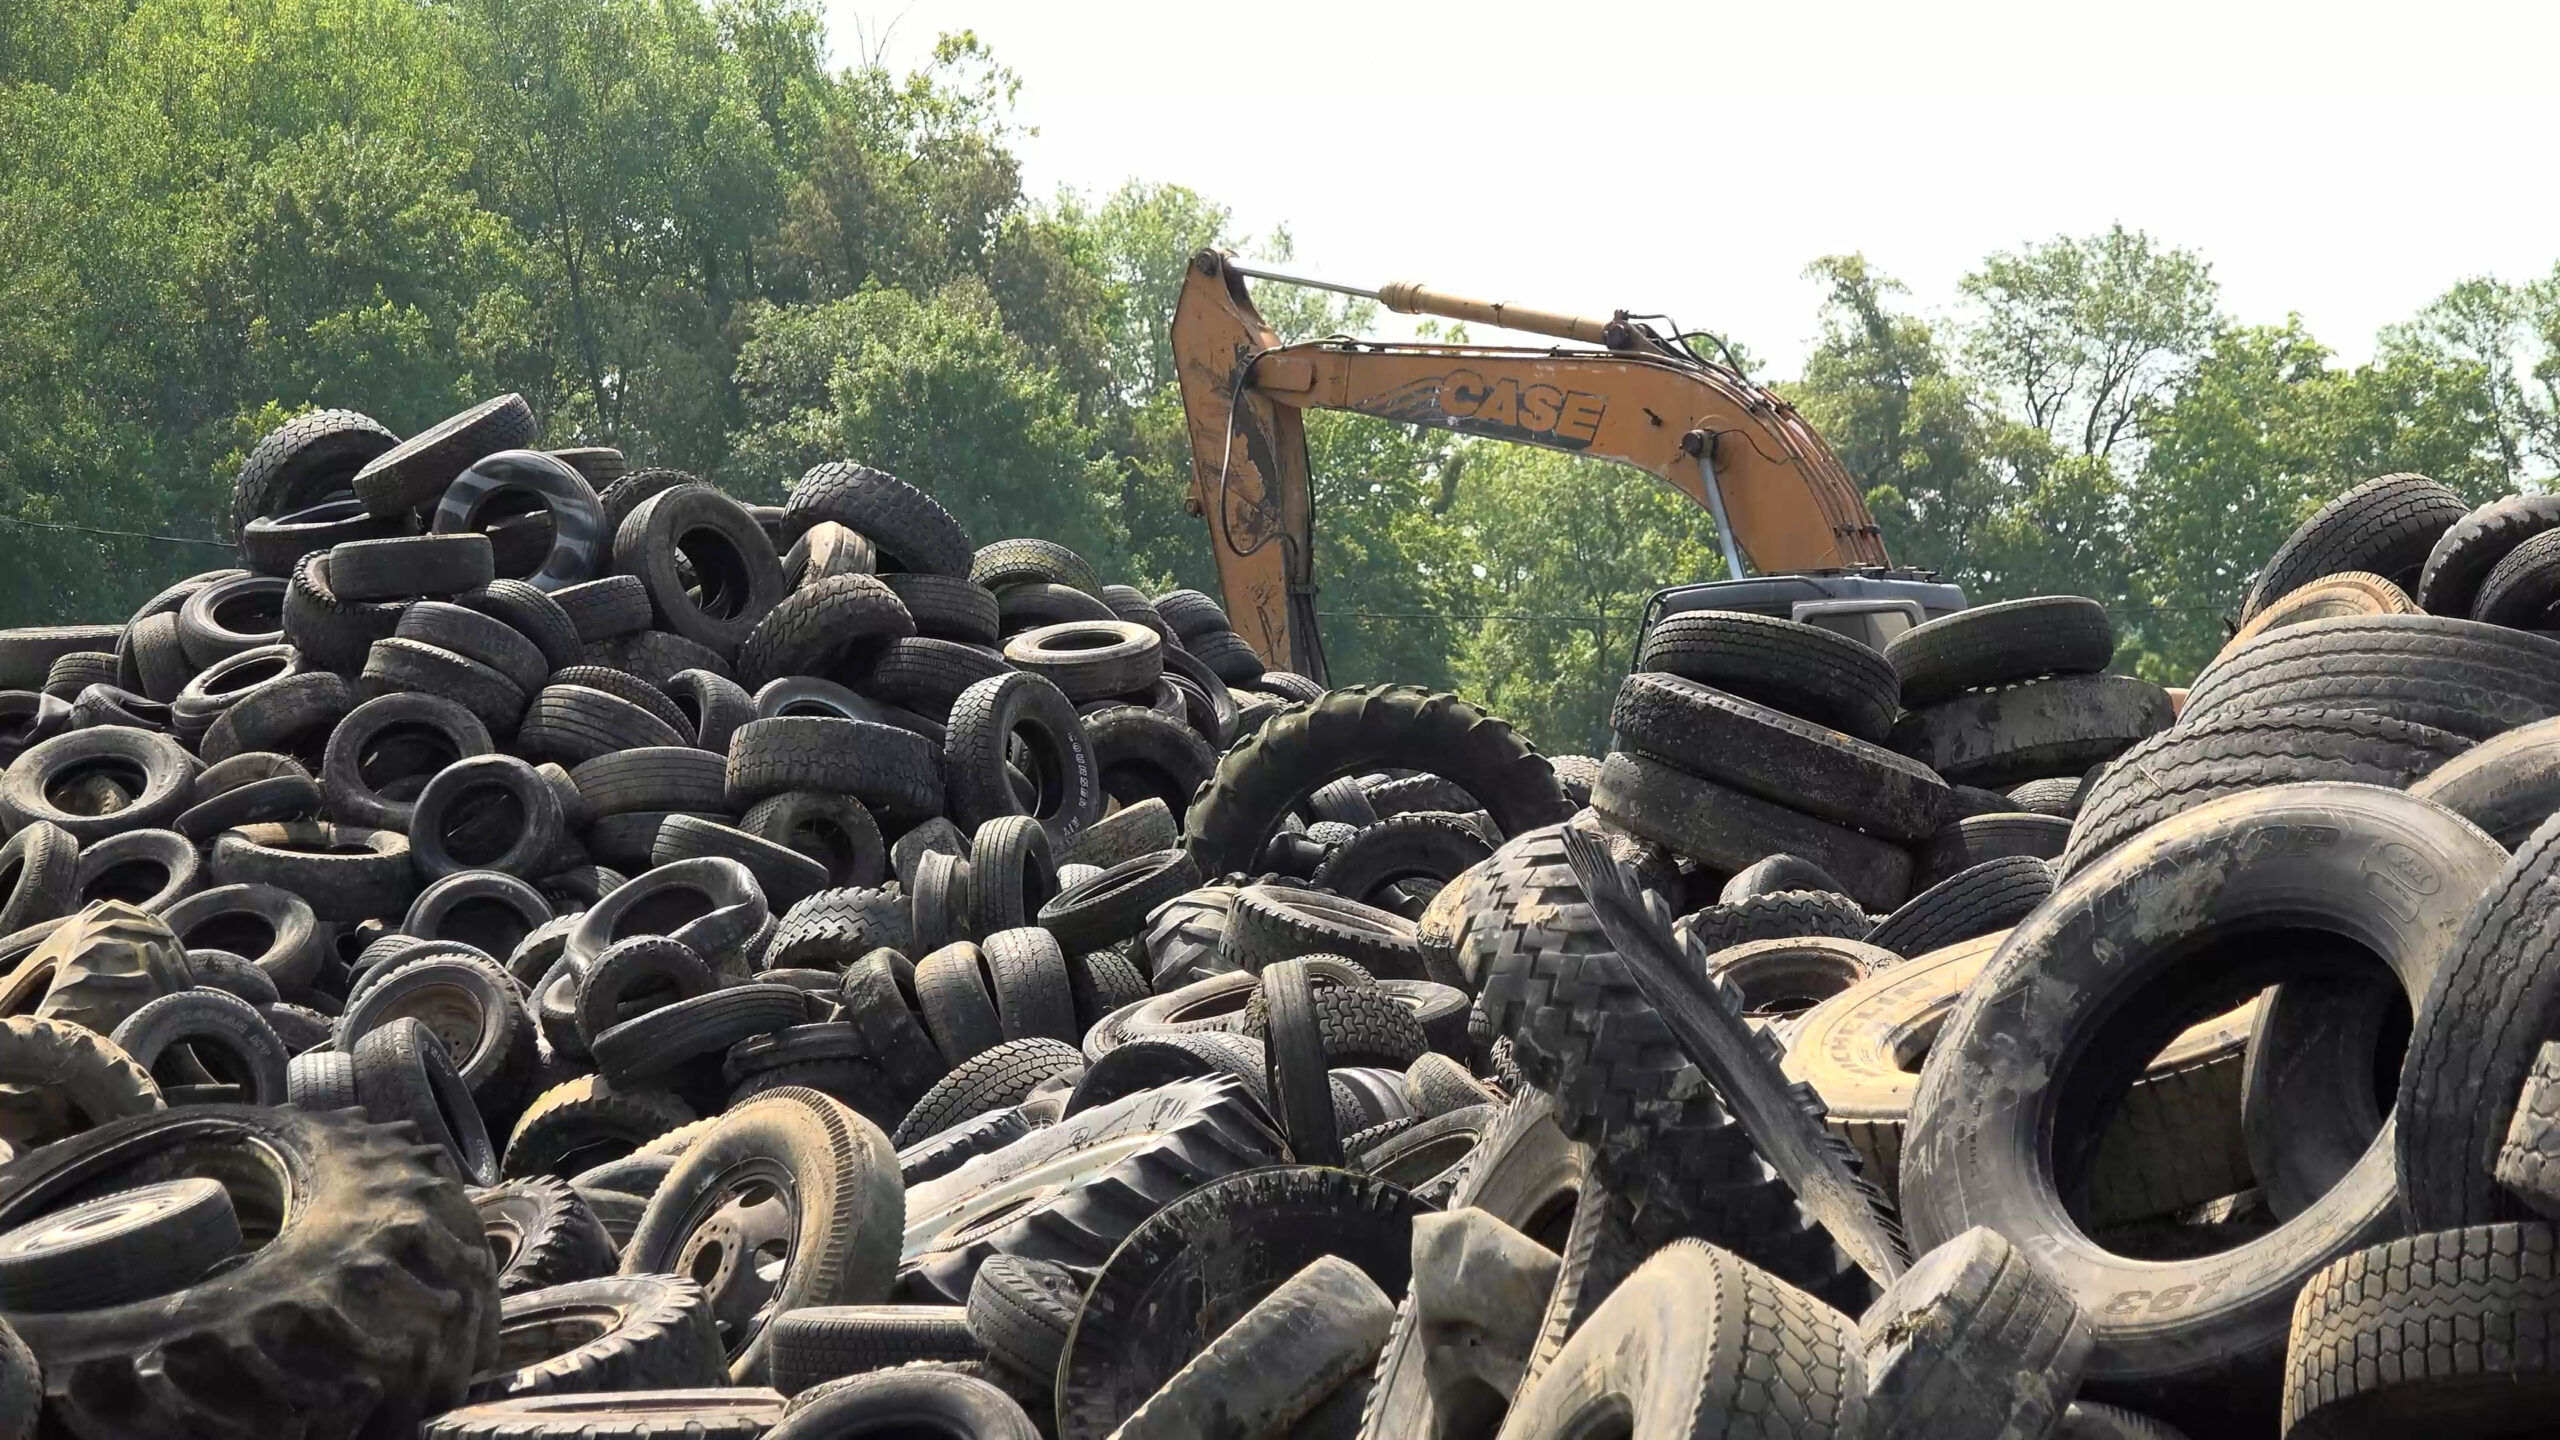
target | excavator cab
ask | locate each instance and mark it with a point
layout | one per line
(1871, 604)
(1798, 538)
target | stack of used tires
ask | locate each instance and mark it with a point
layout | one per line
(520, 958)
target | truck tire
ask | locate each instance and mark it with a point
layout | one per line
(1803, 670)
(2387, 526)
(2001, 644)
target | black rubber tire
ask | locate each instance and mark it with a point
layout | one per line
(997, 1078)
(2458, 675)
(1979, 839)
(227, 617)
(1021, 1311)
(911, 529)
(39, 875)
(293, 714)
(570, 538)
(2204, 759)
(605, 609)
(1034, 604)
(542, 1235)
(154, 773)
(838, 625)
(2522, 587)
(2472, 546)
(1144, 756)
(1020, 724)
(1975, 1338)
(2506, 785)
(346, 872)
(1356, 1024)
(656, 1042)
(841, 1179)
(303, 462)
(895, 772)
(1227, 655)
(1354, 732)
(1993, 895)
(712, 706)
(410, 565)
(834, 831)
(2445, 1329)
(1293, 1044)
(29, 654)
(825, 1342)
(575, 723)
(614, 1333)
(1774, 875)
(532, 613)
(2055, 989)
(1020, 561)
(834, 928)
(1270, 923)
(2476, 1036)
(2058, 795)
(635, 975)
(71, 673)
(1425, 845)
(960, 1400)
(1780, 915)
(487, 812)
(2001, 644)
(2043, 727)
(2387, 525)
(1801, 669)
(1090, 659)
(478, 637)
(737, 575)
(1027, 974)
(403, 1073)
(585, 1122)
(728, 1413)
(150, 870)
(1224, 1247)
(376, 1264)
(396, 666)
(956, 1002)
(387, 746)
(946, 608)
(1726, 829)
(411, 474)
(1113, 906)
(224, 1035)
(119, 1248)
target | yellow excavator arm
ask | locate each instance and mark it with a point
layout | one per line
(1781, 500)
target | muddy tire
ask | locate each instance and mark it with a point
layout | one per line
(542, 1235)
(367, 1311)
(612, 1333)
(2044, 727)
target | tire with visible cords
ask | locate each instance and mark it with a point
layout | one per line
(613, 1333)
(373, 1267)
(1974, 1339)
(2001, 644)
(2386, 526)
(1020, 724)
(2449, 1329)
(1224, 1247)
(1070, 1192)
(790, 1171)
(2398, 876)
(1993, 895)
(2043, 727)
(1727, 829)
(542, 1235)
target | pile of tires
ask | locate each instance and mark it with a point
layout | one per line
(541, 950)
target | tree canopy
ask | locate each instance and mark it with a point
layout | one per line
(675, 230)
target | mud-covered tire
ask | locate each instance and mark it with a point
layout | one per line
(2459, 675)
(1803, 670)
(843, 1194)
(2446, 1330)
(1974, 1339)
(2001, 644)
(58, 1077)
(611, 1333)
(2044, 727)
(1780, 915)
(2204, 759)
(1354, 732)
(2399, 875)
(368, 1309)
(542, 1234)
(585, 1122)
(2387, 526)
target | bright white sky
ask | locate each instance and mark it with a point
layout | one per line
(2343, 161)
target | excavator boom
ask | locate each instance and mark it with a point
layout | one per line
(1781, 500)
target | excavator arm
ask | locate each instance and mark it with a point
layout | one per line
(1781, 501)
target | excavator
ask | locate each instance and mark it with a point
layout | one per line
(1797, 537)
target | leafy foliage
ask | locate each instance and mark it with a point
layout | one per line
(671, 228)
